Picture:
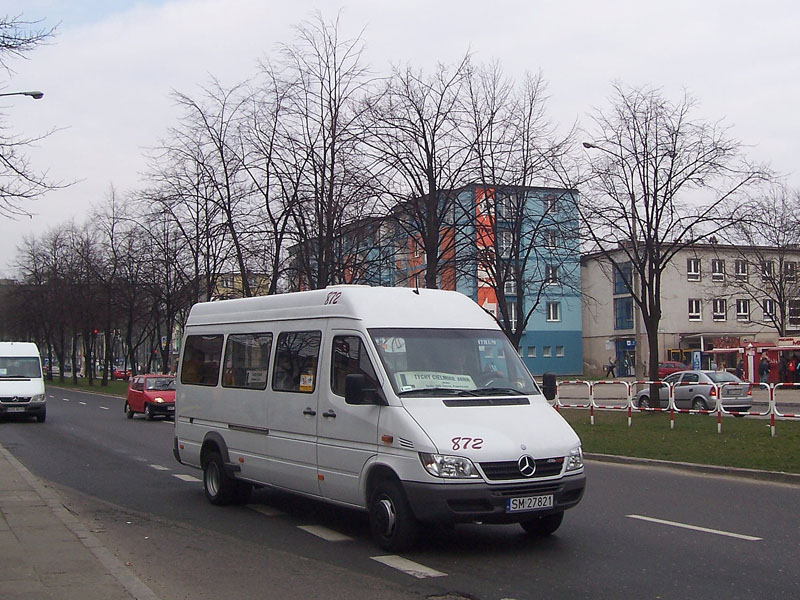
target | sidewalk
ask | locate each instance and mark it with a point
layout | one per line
(46, 553)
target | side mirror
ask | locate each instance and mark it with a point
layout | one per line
(356, 391)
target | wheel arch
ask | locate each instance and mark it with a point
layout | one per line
(376, 474)
(213, 442)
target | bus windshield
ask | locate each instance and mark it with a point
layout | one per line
(20, 366)
(426, 362)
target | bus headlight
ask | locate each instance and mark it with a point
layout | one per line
(451, 467)
(575, 459)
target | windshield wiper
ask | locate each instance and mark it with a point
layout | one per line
(437, 391)
(498, 391)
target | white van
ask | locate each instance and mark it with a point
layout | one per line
(21, 381)
(409, 404)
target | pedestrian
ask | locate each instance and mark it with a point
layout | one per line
(783, 369)
(610, 367)
(791, 368)
(796, 374)
(763, 370)
(740, 369)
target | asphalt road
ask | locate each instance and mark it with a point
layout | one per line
(640, 532)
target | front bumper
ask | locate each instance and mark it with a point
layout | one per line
(28, 408)
(464, 503)
(163, 408)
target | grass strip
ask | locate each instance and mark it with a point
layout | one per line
(744, 443)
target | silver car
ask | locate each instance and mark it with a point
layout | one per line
(696, 390)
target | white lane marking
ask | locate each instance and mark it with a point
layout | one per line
(696, 528)
(186, 477)
(104, 407)
(159, 468)
(409, 567)
(265, 510)
(329, 535)
(50, 396)
(82, 403)
(65, 399)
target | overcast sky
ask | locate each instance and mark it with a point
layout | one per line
(108, 74)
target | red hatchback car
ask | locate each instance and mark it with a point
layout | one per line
(669, 367)
(152, 395)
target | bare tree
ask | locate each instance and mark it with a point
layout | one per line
(523, 236)
(325, 82)
(768, 245)
(20, 182)
(18, 37)
(416, 142)
(661, 180)
(211, 137)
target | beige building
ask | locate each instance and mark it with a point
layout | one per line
(715, 299)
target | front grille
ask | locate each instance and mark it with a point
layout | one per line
(502, 471)
(15, 399)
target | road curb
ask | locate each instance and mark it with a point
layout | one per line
(774, 476)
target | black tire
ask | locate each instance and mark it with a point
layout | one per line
(128, 411)
(699, 404)
(218, 486)
(394, 527)
(148, 412)
(40, 418)
(543, 526)
(644, 402)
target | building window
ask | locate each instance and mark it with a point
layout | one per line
(692, 269)
(740, 266)
(695, 309)
(623, 274)
(551, 274)
(512, 314)
(506, 205)
(768, 305)
(560, 351)
(550, 238)
(794, 312)
(743, 309)
(720, 309)
(510, 288)
(553, 311)
(547, 352)
(790, 271)
(550, 202)
(623, 313)
(505, 241)
(717, 269)
(767, 270)
(531, 351)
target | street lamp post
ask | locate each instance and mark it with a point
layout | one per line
(35, 94)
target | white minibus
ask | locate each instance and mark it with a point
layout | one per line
(410, 404)
(21, 381)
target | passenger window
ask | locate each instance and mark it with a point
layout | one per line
(201, 358)
(296, 356)
(349, 356)
(247, 361)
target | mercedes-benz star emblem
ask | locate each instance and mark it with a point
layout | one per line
(527, 466)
